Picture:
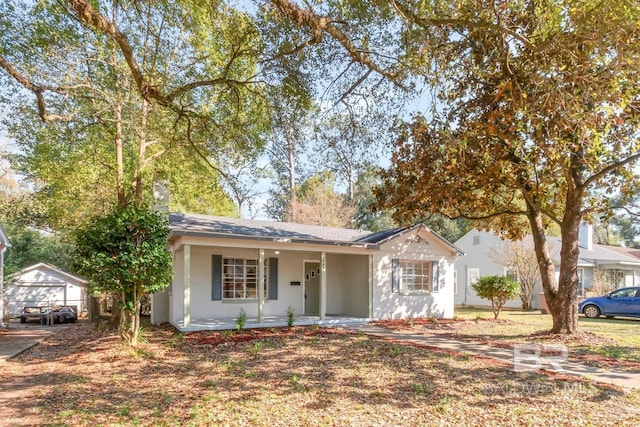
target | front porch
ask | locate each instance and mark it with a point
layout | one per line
(213, 324)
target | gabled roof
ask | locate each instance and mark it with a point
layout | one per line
(236, 228)
(633, 253)
(384, 236)
(597, 255)
(45, 266)
(4, 239)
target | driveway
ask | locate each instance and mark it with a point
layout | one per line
(18, 337)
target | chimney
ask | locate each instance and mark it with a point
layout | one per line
(585, 236)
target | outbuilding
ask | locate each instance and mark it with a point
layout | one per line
(44, 285)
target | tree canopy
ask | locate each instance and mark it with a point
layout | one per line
(532, 120)
(127, 94)
(538, 120)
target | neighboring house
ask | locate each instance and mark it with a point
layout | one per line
(4, 244)
(326, 275)
(608, 263)
(45, 285)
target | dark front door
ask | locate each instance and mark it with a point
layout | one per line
(311, 288)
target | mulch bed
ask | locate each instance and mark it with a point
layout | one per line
(226, 338)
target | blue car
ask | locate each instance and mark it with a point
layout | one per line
(621, 302)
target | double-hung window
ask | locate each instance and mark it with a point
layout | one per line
(416, 276)
(240, 278)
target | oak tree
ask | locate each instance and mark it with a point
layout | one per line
(538, 119)
(533, 119)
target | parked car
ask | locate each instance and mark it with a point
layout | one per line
(621, 302)
(59, 315)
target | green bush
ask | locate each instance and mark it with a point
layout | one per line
(290, 316)
(241, 320)
(124, 254)
(498, 290)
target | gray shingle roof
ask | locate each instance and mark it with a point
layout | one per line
(217, 226)
(599, 254)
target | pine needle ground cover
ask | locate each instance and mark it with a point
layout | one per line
(290, 377)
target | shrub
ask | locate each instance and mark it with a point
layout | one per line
(241, 320)
(498, 290)
(124, 254)
(290, 317)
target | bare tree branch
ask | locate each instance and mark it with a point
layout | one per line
(322, 24)
(38, 91)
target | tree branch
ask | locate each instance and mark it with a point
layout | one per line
(425, 23)
(93, 19)
(322, 24)
(610, 168)
(38, 91)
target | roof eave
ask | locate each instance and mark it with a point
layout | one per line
(361, 245)
(78, 279)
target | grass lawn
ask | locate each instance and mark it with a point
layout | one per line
(613, 338)
(299, 377)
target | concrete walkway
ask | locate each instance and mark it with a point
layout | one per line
(630, 380)
(16, 339)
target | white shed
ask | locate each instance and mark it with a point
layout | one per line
(45, 285)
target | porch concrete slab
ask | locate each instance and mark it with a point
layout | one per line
(626, 379)
(212, 324)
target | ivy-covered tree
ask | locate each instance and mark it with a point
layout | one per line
(125, 255)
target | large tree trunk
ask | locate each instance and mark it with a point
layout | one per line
(561, 295)
(565, 321)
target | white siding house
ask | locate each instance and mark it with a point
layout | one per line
(326, 275)
(45, 285)
(619, 268)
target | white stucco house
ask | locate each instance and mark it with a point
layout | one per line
(326, 275)
(45, 285)
(620, 267)
(4, 244)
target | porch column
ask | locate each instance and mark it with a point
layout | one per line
(186, 315)
(261, 286)
(370, 287)
(323, 285)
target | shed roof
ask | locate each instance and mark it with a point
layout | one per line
(42, 266)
